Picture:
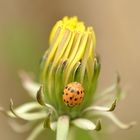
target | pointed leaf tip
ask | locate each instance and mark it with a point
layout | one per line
(98, 125)
(39, 96)
(101, 108)
(47, 122)
(113, 106)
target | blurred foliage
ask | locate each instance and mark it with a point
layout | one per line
(22, 47)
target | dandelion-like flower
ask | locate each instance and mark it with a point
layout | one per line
(69, 74)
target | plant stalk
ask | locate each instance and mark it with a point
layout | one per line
(62, 128)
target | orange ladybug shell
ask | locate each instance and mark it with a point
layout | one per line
(73, 94)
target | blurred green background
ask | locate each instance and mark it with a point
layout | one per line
(24, 31)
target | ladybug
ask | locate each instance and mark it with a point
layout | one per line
(73, 94)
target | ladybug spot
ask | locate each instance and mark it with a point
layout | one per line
(81, 92)
(66, 93)
(67, 101)
(80, 97)
(78, 92)
(75, 99)
(70, 98)
(66, 87)
(64, 100)
(72, 90)
(69, 88)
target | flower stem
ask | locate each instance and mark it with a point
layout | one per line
(62, 128)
